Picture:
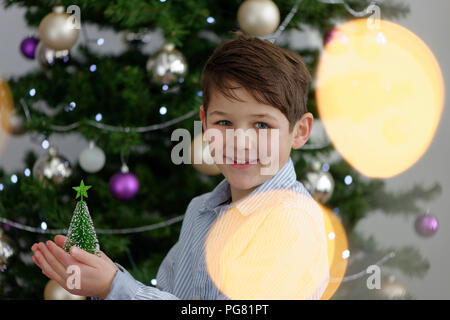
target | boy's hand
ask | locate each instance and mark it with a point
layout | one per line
(95, 276)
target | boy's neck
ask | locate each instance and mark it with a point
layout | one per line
(237, 194)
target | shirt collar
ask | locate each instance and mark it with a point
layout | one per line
(284, 179)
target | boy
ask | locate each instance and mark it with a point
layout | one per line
(255, 236)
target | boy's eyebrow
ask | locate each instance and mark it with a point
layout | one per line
(259, 115)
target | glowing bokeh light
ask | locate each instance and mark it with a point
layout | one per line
(275, 245)
(380, 95)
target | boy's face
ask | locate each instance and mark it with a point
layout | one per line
(266, 144)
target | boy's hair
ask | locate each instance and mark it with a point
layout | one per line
(272, 75)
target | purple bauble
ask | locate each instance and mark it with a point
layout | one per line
(28, 47)
(426, 225)
(124, 186)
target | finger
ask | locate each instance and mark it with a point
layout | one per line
(60, 254)
(59, 240)
(46, 268)
(85, 257)
(36, 261)
(52, 261)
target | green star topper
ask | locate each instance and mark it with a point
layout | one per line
(81, 190)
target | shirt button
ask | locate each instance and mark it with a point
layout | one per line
(197, 298)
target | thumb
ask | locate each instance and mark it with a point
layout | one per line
(85, 257)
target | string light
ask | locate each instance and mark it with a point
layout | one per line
(100, 41)
(1, 186)
(14, 178)
(45, 144)
(93, 67)
(43, 226)
(210, 20)
(27, 172)
(98, 117)
(163, 110)
(32, 92)
(348, 180)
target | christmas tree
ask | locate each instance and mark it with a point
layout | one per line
(81, 231)
(129, 102)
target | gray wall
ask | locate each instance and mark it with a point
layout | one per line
(428, 19)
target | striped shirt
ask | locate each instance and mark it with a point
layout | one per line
(295, 268)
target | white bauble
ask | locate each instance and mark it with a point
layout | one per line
(92, 159)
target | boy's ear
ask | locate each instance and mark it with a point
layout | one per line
(203, 117)
(302, 130)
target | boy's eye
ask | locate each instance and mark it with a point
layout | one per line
(262, 125)
(223, 122)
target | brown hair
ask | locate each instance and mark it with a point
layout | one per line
(272, 75)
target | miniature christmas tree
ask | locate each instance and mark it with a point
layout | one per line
(81, 230)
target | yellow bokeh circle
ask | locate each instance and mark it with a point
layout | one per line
(380, 94)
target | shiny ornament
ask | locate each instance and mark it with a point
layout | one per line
(53, 291)
(48, 57)
(92, 159)
(391, 290)
(426, 225)
(319, 183)
(58, 31)
(136, 40)
(202, 154)
(167, 66)
(258, 17)
(12, 122)
(6, 251)
(28, 47)
(124, 185)
(52, 167)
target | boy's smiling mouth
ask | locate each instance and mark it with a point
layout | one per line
(240, 163)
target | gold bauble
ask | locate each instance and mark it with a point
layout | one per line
(53, 291)
(258, 17)
(58, 31)
(201, 151)
(392, 290)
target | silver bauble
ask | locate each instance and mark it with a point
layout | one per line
(6, 251)
(167, 66)
(52, 167)
(258, 17)
(48, 57)
(92, 159)
(58, 30)
(319, 183)
(53, 291)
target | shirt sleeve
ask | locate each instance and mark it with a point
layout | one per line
(125, 287)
